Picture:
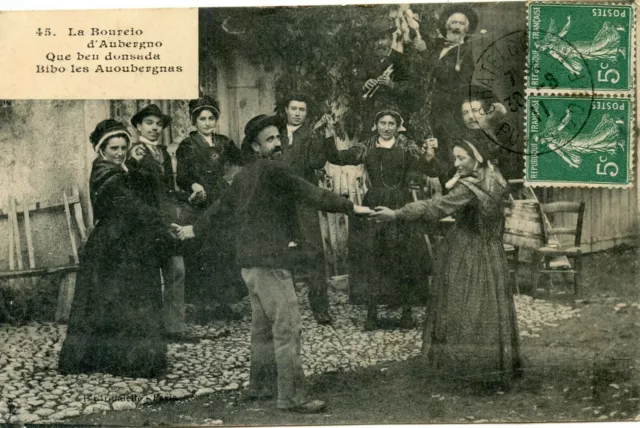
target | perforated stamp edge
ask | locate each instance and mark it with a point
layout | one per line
(629, 92)
(632, 125)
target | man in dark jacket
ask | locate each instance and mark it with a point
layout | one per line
(263, 200)
(452, 72)
(304, 153)
(150, 122)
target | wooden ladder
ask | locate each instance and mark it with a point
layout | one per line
(17, 268)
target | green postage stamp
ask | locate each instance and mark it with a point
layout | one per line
(579, 141)
(580, 47)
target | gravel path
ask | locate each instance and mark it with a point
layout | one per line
(33, 391)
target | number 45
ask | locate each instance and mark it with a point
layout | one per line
(602, 170)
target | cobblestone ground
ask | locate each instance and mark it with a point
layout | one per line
(33, 391)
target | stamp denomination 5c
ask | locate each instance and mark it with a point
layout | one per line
(578, 47)
(579, 141)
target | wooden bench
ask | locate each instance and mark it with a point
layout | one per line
(70, 205)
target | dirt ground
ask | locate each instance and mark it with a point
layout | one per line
(585, 369)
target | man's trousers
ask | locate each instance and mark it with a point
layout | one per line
(173, 294)
(275, 335)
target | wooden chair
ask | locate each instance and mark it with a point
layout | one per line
(552, 249)
(513, 254)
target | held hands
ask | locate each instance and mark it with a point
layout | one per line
(378, 214)
(182, 232)
(362, 211)
(382, 214)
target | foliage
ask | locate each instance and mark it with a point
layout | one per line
(320, 49)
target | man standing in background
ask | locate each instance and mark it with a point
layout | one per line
(304, 153)
(452, 70)
(150, 122)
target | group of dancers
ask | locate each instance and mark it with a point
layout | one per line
(256, 210)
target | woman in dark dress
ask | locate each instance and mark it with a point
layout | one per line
(207, 162)
(471, 330)
(388, 263)
(115, 325)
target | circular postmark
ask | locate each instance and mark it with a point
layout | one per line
(498, 82)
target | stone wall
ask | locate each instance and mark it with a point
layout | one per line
(44, 150)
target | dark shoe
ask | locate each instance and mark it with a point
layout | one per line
(322, 318)
(371, 324)
(406, 320)
(258, 396)
(372, 318)
(312, 406)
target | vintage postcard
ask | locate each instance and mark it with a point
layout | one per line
(421, 213)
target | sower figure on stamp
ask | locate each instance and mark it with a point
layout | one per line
(263, 200)
(304, 153)
(204, 157)
(452, 71)
(150, 122)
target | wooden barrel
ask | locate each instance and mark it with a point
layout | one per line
(523, 224)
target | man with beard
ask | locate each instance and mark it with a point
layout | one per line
(263, 200)
(389, 79)
(304, 153)
(486, 128)
(452, 72)
(150, 122)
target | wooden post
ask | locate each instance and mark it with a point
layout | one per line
(68, 281)
(12, 261)
(27, 231)
(72, 237)
(27, 228)
(77, 211)
(65, 296)
(16, 231)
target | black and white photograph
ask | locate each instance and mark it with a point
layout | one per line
(337, 230)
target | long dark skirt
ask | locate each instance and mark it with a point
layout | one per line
(389, 262)
(471, 332)
(115, 325)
